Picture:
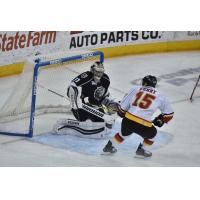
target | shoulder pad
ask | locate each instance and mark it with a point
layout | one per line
(105, 76)
(86, 74)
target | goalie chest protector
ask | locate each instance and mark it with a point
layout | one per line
(94, 91)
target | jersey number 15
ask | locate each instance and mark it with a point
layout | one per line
(143, 100)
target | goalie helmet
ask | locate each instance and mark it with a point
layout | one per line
(98, 70)
(149, 81)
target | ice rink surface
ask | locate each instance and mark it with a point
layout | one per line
(177, 144)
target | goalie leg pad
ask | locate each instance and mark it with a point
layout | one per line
(86, 129)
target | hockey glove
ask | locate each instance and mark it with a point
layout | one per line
(111, 105)
(159, 121)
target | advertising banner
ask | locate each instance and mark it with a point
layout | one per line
(17, 46)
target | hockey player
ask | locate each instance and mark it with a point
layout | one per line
(90, 88)
(137, 109)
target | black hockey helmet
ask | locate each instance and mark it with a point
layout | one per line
(98, 70)
(149, 81)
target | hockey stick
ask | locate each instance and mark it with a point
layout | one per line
(191, 97)
(83, 106)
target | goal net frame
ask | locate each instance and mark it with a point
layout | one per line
(75, 58)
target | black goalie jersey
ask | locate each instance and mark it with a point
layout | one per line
(95, 92)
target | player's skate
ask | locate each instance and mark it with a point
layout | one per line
(142, 153)
(109, 148)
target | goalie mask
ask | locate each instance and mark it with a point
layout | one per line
(149, 81)
(98, 70)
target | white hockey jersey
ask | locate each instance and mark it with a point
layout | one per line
(142, 102)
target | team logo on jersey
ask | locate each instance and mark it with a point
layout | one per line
(94, 83)
(99, 92)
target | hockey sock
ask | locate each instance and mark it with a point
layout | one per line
(148, 142)
(117, 139)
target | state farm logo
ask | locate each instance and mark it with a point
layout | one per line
(24, 40)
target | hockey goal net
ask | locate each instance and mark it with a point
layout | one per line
(41, 90)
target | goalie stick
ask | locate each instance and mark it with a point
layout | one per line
(83, 106)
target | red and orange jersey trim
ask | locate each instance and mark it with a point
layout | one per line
(121, 112)
(168, 117)
(148, 142)
(118, 138)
